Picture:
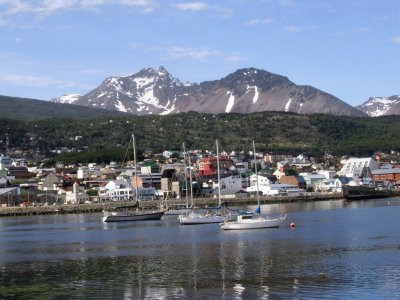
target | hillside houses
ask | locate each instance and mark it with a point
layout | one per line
(294, 175)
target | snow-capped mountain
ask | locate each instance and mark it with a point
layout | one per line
(381, 106)
(155, 91)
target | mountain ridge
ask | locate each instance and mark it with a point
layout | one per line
(247, 90)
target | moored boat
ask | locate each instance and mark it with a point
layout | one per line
(253, 222)
(131, 212)
(125, 213)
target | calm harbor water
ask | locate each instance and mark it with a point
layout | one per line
(336, 251)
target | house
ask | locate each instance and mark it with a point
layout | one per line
(230, 184)
(340, 181)
(50, 182)
(116, 190)
(294, 180)
(312, 178)
(325, 185)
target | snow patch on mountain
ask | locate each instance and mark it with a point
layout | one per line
(231, 102)
(68, 99)
(287, 106)
(120, 106)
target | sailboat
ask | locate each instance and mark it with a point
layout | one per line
(188, 208)
(216, 215)
(254, 220)
(131, 212)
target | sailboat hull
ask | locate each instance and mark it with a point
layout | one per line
(253, 223)
(121, 217)
(198, 218)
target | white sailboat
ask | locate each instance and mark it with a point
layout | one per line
(255, 220)
(131, 212)
(217, 215)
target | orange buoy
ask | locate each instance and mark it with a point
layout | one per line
(292, 225)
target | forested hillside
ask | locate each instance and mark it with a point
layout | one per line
(31, 109)
(108, 138)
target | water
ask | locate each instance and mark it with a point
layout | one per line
(336, 251)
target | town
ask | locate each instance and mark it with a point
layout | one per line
(180, 175)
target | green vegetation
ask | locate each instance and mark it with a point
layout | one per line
(107, 138)
(31, 109)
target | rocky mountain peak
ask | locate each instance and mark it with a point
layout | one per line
(381, 106)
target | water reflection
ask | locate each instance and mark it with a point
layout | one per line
(335, 251)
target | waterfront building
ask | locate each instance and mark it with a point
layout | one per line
(353, 166)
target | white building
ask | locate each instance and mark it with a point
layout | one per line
(353, 166)
(77, 195)
(269, 187)
(119, 189)
(229, 185)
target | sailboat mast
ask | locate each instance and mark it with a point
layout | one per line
(255, 169)
(186, 184)
(218, 174)
(135, 159)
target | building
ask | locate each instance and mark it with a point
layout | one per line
(391, 175)
(353, 166)
(5, 162)
(77, 195)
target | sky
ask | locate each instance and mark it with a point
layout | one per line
(348, 48)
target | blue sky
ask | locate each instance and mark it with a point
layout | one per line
(349, 48)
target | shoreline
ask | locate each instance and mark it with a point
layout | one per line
(155, 204)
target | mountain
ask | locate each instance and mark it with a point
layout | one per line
(155, 91)
(32, 109)
(381, 106)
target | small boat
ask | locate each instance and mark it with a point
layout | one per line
(129, 213)
(254, 220)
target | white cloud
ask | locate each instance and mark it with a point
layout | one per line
(189, 53)
(42, 8)
(191, 6)
(255, 22)
(198, 54)
(293, 28)
(235, 58)
(396, 39)
(35, 81)
(201, 6)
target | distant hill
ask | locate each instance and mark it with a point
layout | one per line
(156, 92)
(31, 109)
